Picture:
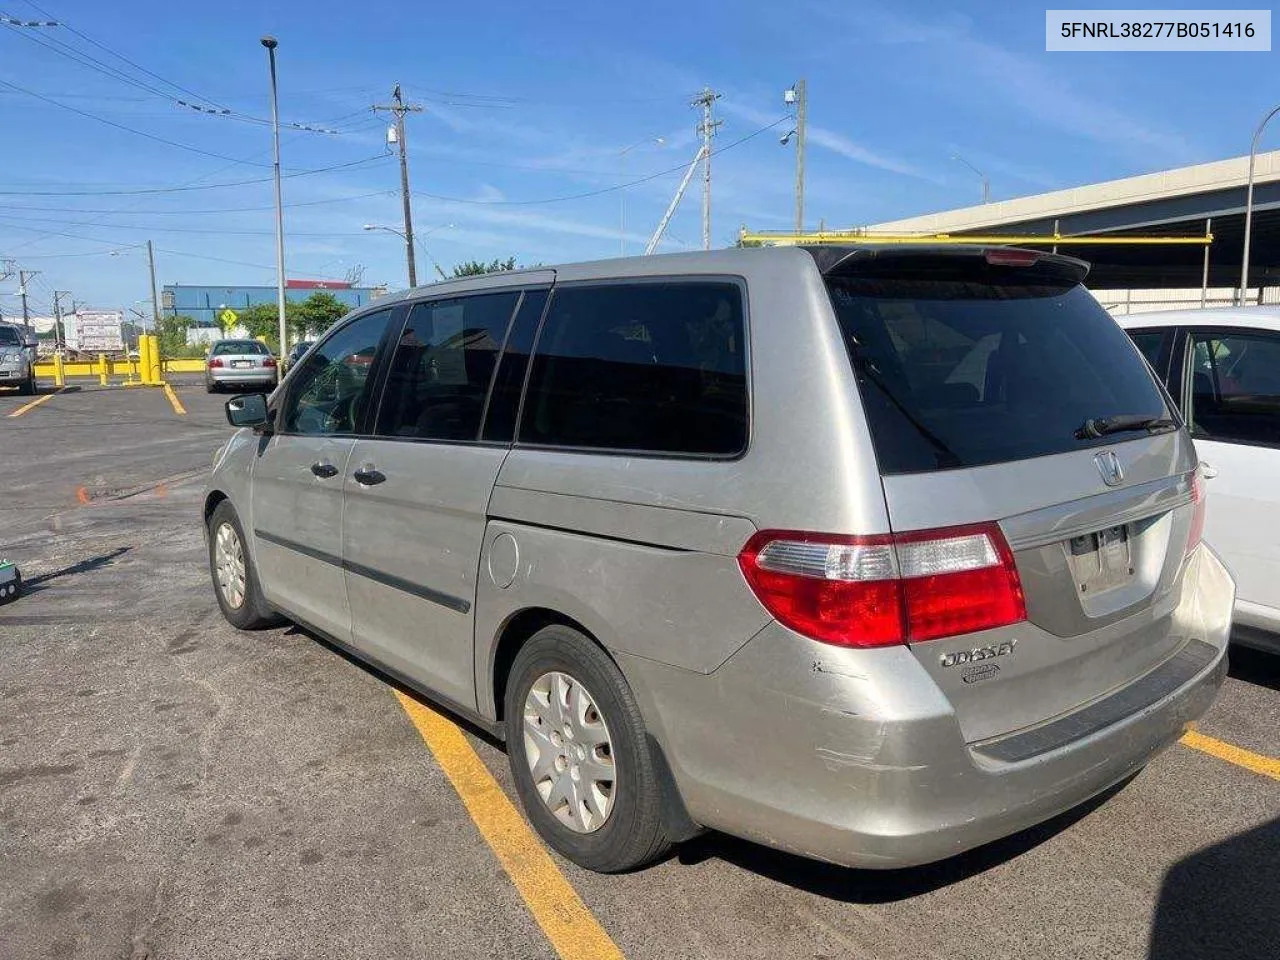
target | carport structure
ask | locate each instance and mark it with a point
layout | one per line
(1189, 201)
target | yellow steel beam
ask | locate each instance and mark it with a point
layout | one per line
(1026, 240)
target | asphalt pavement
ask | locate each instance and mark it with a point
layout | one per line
(173, 788)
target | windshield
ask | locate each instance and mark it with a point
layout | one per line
(957, 373)
(9, 335)
(239, 346)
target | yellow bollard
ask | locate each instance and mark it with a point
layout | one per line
(102, 369)
(143, 360)
(157, 378)
(59, 372)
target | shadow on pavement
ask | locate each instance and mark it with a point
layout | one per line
(295, 630)
(36, 584)
(880, 886)
(1223, 901)
(1257, 667)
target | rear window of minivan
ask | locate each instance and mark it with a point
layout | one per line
(960, 373)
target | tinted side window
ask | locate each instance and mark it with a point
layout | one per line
(504, 399)
(659, 367)
(1150, 343)
(1235, 387)
(440, 371)
(330, 391)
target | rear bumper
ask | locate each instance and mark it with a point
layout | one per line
(856, 757)
(237, 378)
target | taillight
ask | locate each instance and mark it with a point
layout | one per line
(1004, 257)
(889, 589)
(269, 362)
(1196, 533)
(215, 362)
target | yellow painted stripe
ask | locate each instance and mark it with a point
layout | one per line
(174, 402)
(34, 403)
(572, 929)
(1267, 766)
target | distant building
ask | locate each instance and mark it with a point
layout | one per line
(204, 304)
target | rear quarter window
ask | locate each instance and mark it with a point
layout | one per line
(955, 373)
(655, 367)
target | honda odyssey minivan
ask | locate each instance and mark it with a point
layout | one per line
(870, 554)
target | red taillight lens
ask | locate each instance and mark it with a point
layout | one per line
(269, 362)
(1196, 533)
(884, 590)
(215, 362)
(1004, 257)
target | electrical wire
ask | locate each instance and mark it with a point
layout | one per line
(603, 190)
(190, 213)
(189, 187)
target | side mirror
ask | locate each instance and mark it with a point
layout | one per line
(248, 411)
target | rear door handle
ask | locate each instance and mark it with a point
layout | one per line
(367, 476)
(324, 470)
(1209, 471)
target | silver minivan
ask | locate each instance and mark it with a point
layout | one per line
(869, 554)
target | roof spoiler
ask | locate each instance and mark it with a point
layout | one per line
(911, 260)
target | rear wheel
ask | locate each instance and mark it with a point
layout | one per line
(235, 582)
(210, 387)
(578, 752)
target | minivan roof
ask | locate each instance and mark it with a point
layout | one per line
(730, 260)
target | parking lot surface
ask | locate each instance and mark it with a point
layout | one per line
(170, 787)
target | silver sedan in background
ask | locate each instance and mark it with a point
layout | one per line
(242, 365)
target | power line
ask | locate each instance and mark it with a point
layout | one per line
(189, 187)
(189, 213)
(120, 126)
(603, 190)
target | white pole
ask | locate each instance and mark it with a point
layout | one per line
(1248, 207)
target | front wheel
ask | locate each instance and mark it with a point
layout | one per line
(28, 387)
(235, 582)
(581, 762)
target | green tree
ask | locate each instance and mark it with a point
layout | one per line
(260, 320)
(172, 334)
(314, 315)
(475, 268)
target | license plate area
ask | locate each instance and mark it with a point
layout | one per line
(1102, 560)
(240, 364)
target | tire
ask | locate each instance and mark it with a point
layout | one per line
(630, 833)
(28, 387)
(210, 387)
(251, 612)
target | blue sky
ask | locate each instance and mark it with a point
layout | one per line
(534, 101)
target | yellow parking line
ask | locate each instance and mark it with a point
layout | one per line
(1267, 766)
(174, 402)
(34, 403)
(572, 929)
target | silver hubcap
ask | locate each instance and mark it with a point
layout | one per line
(228, 565)
(570, 755)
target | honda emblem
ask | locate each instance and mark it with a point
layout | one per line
(1109, 466)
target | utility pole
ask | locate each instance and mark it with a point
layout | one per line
(399, 108)
(22, 292)
(798, 97)
(706, 130)
(59, 333)
(155, 296)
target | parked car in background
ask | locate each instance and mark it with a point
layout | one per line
(17, 360)
(297, 352)
(872, 555)
(240, 364)
(1222, 368)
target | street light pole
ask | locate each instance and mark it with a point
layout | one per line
(986, 184)
(271, 43)
(1248, 207)
(622, 190)
(408, 238)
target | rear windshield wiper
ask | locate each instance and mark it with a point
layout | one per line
(1096, 427)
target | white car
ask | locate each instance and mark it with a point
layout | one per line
(1222, 367)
